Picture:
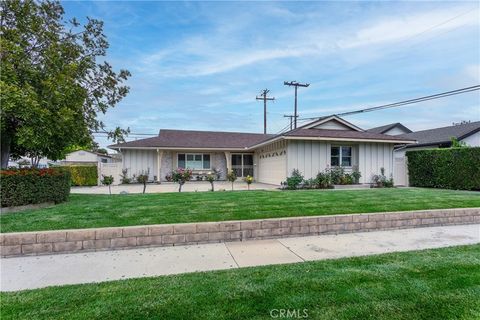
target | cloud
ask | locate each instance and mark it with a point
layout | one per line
(407, 28)
(224, 48)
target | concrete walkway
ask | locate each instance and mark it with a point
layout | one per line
(191, 186)
(42, 271)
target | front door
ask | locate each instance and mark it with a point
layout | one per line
(242, 165)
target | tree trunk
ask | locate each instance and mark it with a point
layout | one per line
(5, 151)
(180, 187)
(232, 186)
(144, 186)
(110, 190)
(212, 186)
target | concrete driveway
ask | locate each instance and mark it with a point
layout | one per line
(42, 271)
(191, 186)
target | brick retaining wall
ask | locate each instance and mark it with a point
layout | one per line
(81, 240)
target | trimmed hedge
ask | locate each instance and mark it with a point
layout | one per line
(453, 168)
(83, 175)
(20, 187)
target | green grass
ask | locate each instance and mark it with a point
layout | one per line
(431, 284)
(88, 211)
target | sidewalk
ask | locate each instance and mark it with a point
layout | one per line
(42, 271)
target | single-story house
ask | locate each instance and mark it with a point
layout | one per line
(312, 148)
(84, 157)
(392, 129)
(468, 133)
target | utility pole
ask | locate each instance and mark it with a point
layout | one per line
(263, 96)
(296, 85)
(291, 119)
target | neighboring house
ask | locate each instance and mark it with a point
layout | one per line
(311, 148)
(393, 129)
(469, 133)
(86, 157)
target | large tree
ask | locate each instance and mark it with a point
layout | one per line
(53, 81)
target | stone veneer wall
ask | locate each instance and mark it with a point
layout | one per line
(219, 162)
(81, 240)
(166, 165)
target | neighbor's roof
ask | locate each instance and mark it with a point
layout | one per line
(442, 135)
(385, 128)
(197, 139)
(346, 134)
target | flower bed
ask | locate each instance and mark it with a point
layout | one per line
(20, 187)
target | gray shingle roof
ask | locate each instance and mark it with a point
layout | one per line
(385, 128)
(197, 139)
(442, 135)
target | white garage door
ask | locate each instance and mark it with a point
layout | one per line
(272, 167)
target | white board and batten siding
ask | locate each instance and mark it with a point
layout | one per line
(309, 157)
(271, 163)
(312, 157)
(373, 157)
(140, 161)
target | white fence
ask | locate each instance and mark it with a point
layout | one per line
(110, 169)
(400, 172)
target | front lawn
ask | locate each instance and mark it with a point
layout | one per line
(88, 211)
(431, 284)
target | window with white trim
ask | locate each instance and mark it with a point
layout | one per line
(194, 161)
(341, 156)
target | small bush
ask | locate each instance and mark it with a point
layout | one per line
(294, 180)
(143, 179)
(452, 168)
(181, 176)
(323, 180)
(248, 179)
(231, 176)
(20, 187)
(381, 181)
(124, 179)
(211, 178)
(356, 175)
(83, 175)
(107, 181)
(336, 174)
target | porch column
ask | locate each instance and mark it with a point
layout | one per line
(228, 158)
(159, 164)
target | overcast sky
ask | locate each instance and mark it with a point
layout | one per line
(199, 65)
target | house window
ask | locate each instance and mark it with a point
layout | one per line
(194, 161)
(103, 160)
(341, 156)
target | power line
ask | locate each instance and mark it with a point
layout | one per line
(263, 96)
(130, 134)
(406, 102)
